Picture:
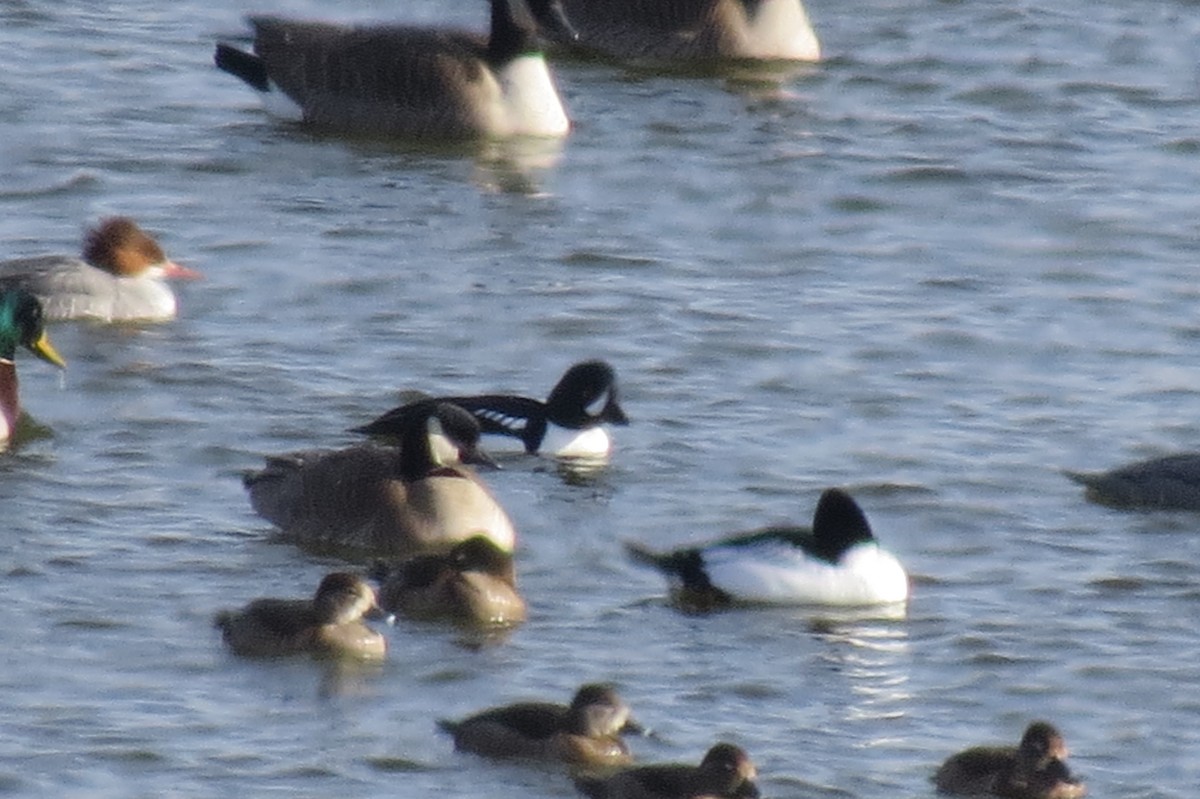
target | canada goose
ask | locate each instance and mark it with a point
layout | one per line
(693, 30)
(119, 278)
(725, 773)
(21, 325)
(837, 562)
(585, 733)
(1035, 769)
(399, 81)
(384, 501)
(328, 625)
(569, 424)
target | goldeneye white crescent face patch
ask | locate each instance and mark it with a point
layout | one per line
(597, 405)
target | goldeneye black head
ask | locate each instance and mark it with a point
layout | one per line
(838, 524)
(586, 394)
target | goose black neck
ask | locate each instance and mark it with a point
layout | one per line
(416, 460)
(509, 37)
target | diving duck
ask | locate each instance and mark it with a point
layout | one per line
(121, 277)
(474, 584)
(837, 562)
(584, 733)
(726, 772)
(569, 424)
(328, 625)
(1034, 769)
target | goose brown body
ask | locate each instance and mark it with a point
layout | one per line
(409, 82)
(695, 30)
(386, 501)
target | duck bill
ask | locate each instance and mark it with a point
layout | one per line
(176, 271)
(748, 790)
(632, 727)
(376, 613)
(478, 457)
(613, 414)
(45, 350)
(554, 21)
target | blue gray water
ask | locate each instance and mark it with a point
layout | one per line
(952, 260)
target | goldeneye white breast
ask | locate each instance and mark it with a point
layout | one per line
(838, 562)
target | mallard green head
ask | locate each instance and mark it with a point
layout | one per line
(21, 323)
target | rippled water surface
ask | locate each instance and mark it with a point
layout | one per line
(952, 260)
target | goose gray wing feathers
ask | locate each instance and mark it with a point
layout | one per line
(379, 79)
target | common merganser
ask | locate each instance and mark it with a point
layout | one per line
(21, 324)
(120, 277)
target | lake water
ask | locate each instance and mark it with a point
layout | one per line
(955, 258)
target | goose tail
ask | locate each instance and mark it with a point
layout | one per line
(250, 68)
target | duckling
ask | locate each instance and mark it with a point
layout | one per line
(386, 501)
(1035, 769)
(725, 773)
(584, 734)
(398, 81)
(22, 323)
(693, 30)
(838, 562)
(569, 424)
(474, 583)
(1171, 482)
(328, 625)
(121, 277)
